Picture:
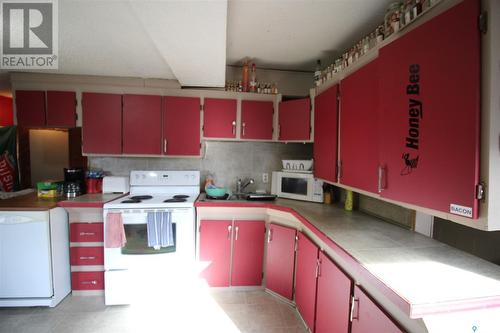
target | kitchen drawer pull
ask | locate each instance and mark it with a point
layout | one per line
(236, 230)
(234, 127)
(351, 315)
(87, 258)
(229, 231)
(93, 282)
(87, 233)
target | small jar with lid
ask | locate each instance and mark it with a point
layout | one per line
(389, 18)
(380, 34)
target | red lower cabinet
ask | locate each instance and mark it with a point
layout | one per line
(215, 251)
(86, 232)
(248, 253)
(280, 260)
(333, 298)
(306, 279)
(367, 317)
(245, 239)
(87, 256)
(87, 280)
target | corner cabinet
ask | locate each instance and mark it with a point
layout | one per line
(30, 108)
(181, 126)
(295, 120)
(280, 260)
(430, 113)
(306, 279)
(325, 135)
(257, 120)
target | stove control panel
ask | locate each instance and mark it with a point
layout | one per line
(164, 178)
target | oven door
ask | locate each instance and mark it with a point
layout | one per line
(136, 247)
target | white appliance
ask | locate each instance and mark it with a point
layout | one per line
(115, 184)
(132, 268)
(34, 257)
(296, 185)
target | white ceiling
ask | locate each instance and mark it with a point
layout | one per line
(186, 40)
(293, 34)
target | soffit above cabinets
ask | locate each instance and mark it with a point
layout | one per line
(293, 34)
(183, 40)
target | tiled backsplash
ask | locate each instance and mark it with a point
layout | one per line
(226, 161)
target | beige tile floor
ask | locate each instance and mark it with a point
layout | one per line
(196, 311)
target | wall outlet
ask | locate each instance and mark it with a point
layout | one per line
(265, 178)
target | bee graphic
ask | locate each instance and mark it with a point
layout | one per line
(410, 164)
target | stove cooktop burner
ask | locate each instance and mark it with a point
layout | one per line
(181, 196)
(174, 199)
(131, 201)
(141, 197)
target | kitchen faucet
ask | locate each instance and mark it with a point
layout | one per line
(240, 187)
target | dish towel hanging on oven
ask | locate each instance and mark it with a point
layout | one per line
(115, 232)
(160, 231)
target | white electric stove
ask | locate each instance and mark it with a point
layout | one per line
(130, 268)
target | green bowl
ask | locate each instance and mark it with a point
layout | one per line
(216, 192)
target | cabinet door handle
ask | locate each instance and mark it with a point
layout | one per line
(87, 233)
(381, 178)
(234, 127)
(165, 146)
(93, 282)
(87, 258)
(236, 231)
(243, 128)
(351, 315)
(269, 235)
(229, 231)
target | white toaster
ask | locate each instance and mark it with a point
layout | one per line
(114, 184)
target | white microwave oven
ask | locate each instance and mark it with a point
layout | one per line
(295, 185)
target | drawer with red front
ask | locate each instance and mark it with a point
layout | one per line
(87, 280)
(87, 256)
(86, 232)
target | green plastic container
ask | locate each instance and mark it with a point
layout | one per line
(216, 192)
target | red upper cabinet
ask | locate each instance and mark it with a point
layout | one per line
(430, 108)
(142, 125)
(181, 126)
(248, 253)
(215, 252)
(367, 317)
(101, 123)
(333, 299)
(280, 260)
(61, 109)
(295, 120)
(359, 114)
(219, 119)
(305, 279)
(325, 135)
(30, 108)
(257, 120)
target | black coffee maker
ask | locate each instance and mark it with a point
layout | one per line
(74, 182)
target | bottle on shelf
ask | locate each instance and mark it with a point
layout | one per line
(253, 79)
(317, 73)
(417, 8)
(244, 76)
